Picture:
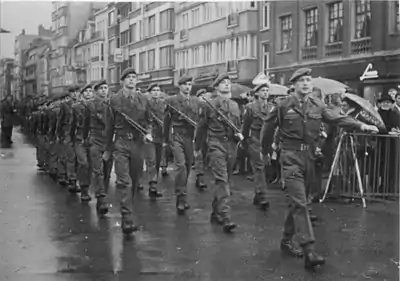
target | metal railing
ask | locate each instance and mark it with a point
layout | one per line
(366, 167)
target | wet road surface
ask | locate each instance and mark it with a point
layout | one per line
(46, 234)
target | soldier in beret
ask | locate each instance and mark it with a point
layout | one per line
(299, 118)
(179, 133)
(55, 150)
(126, 142)
(255, 113)
(221, 141)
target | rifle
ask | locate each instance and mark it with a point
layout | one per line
(158, 120)
(225, 119)
(131, 122)
(183, 115)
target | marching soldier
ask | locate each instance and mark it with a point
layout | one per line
(129, 118)
(254, 116)
(178, 122)
(299, 118)
(219, 125)
(200, 160)
(96, 110)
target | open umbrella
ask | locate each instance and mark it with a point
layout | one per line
(238, 89)
(277, 90)
(367, 113)
(329, 86)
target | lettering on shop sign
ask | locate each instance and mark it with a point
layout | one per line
(143, 76)
(369, 73)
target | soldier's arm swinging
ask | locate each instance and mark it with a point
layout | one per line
(201, 130)
(268, 130)
(166, 124)
(247, 120)
(109, 128)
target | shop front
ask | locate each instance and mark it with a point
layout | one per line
(164, 78)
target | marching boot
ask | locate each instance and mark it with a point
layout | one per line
(127, 225)
(73, 187)
(153, 192)
(181, 204)
(85, 197)
(312, 259)
(200, 184)
(223, 210)
(215, 217)
(164, 172)
(260, 201)
(101, 205)
(289, 249)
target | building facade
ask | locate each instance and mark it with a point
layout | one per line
(217, 37)
(33, 76)
(6, 77)
(337, 39)
(68, 18)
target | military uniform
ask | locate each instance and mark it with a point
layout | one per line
(128, 145)
(222, 148)
(254, 116)
(299, 122)
(179, 134)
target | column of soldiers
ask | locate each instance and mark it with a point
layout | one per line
(82, 133)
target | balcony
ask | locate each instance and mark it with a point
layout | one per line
(97, 35)
(233, 19)
(30, 77)
(110, 59)
(310, 52)
(184, 34)
(232, 66)
(97, 58)
(334, 49)
(112, 30)
(361, 46)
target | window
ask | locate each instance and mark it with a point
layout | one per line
(133, 31)
(196, 56)
(207, 12)
(166, 20)
(132, 61)
(166, 56)
(110, 18)
(152, 25)
(125, 10)
(196, 16)
(265, 56)
(335, 20)
(221, 51)
(151, 58)
(207, 53)
(311, 27)
(266, 15)
(363, 19)
(125, 37)
(142, 62)
(185, 59)
(286, 32)
(185, 21)
(397, 13)
(141, 30)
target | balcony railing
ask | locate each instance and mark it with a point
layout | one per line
(334, 49)
(184, 34)
(232, 65)
(233, 19)
(310, 52)
(97, 35)
(361, 46)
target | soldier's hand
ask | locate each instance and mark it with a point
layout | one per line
(106, 155)
(274, 146)
(164, 144)
(148, 138)
(239, 136)
(369, 128)
(197, 153)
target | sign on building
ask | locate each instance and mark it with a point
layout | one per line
(118, 56)
(369, 73)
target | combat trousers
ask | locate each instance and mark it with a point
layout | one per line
(222, 153)
(82, 152)
(97, 148)
(258, 165)
(297, 172)
(182, 150)
(67, 160)
(53, 157)
(40, 150)
(107, 168)
(152, 157)
(128, 159)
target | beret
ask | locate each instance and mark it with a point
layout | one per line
(100, 83)
(87, 86)
(127, 71)
(258, 87)
(219, 79)
(73, 88)
(185, 78)
(298, 73)
(385, 97)
(151, 86)
(200, 92)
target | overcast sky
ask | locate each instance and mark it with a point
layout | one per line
(14, 16)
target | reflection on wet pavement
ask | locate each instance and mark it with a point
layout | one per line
(47, 234)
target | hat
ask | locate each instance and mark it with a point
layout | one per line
(87, 86)
(219, 79)
(258, 87)
(385, 97)
(151, 86)
(127, 71)
(185, 78)
(200, 92)
(298, 73)
(100, 83)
